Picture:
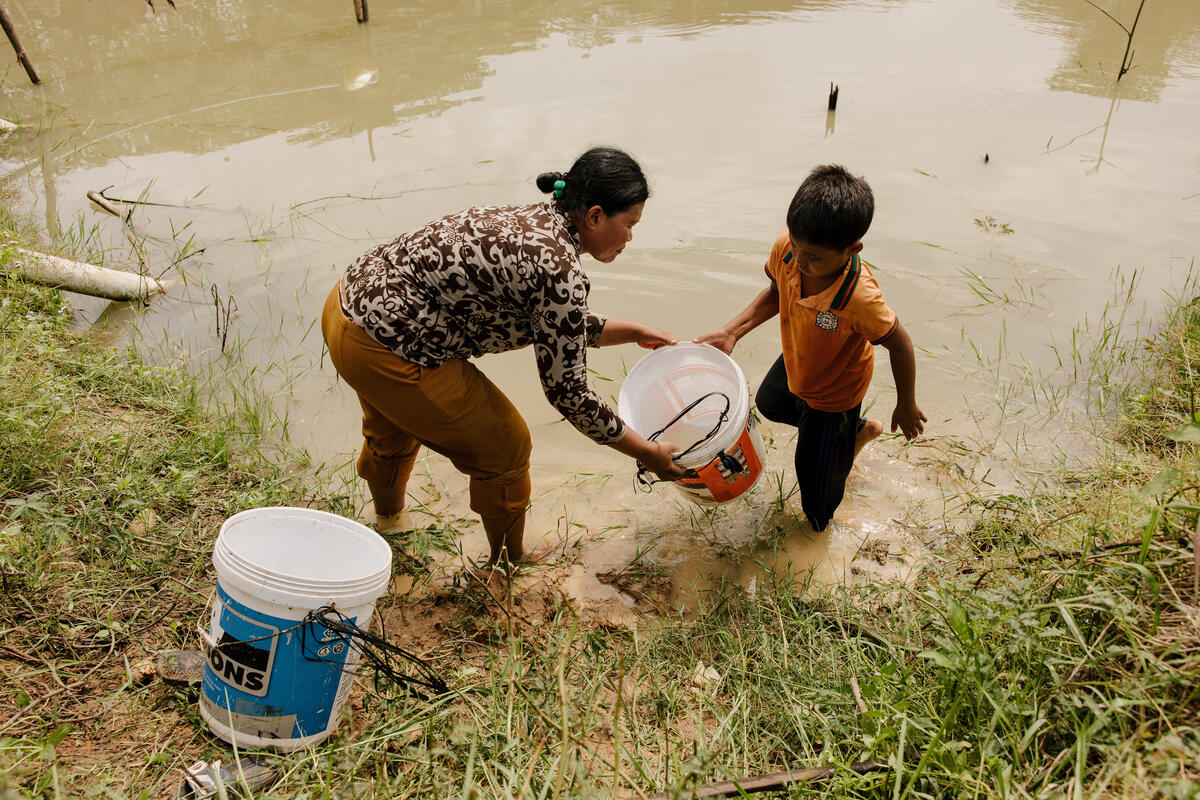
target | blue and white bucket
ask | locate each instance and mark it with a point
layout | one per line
(271, 679)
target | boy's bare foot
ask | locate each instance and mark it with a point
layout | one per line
(870, 430)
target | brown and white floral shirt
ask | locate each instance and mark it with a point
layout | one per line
(488, 280)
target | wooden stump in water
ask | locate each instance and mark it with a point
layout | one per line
(6, 23)
(833, 93)
(360, 10)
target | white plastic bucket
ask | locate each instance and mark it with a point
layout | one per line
(270, 678)
(667, 381)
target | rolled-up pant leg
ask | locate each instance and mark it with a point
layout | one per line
(452, 409)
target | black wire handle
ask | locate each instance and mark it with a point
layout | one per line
(641, 481)
(377, 652)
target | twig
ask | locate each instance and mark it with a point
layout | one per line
(224, 310)
(12, 720)
(858, 698)
(767, 783)
(1196, 562)
(101, 193)
(1127, 57)
(102, 201)
(127, 222)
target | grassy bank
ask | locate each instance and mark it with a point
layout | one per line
(1054, 651)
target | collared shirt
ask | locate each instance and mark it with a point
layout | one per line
(488, 280)
(829, 338)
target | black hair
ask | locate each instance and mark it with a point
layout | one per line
(603, 176)
(832, 208)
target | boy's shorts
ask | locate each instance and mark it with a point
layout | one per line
(824, 444)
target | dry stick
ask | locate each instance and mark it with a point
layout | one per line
(1126, 59)
(12, 720)
(144, 202)
(767, 783)
(1196, 560)
(102, 201)
(858, 698)
(616, 718)
(533, 706)
(127, 223)
(16, 43)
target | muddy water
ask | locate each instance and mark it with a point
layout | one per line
(1031, 210)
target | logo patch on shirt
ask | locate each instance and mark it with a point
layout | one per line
(827, 320)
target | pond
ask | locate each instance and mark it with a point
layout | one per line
(1032, 214)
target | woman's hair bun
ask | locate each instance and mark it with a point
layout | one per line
(545, 181)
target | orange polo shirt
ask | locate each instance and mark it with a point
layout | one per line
(829, 338)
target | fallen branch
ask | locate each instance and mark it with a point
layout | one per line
(102, 201)
(765, 783)
(131, 233)
(83, 278)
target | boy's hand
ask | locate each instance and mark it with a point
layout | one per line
(910, 419)
(721, 339)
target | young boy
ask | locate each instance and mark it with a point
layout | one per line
(831, 314)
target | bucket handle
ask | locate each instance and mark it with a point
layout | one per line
(642, 480)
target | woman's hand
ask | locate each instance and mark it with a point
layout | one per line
(652, 338)
(657, 459)
(721, 339)
(622, 331)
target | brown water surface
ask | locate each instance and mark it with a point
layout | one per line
(1031, 212)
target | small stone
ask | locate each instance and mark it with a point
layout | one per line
(181, 666)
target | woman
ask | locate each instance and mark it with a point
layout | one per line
(403, 320)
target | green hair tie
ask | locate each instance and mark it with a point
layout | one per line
(558, 188)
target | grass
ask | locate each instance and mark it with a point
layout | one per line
(1052, 651)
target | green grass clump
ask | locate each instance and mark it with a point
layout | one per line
(113, 482)
(1052, 651)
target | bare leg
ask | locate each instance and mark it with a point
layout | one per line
(870, 430)
(505, 535)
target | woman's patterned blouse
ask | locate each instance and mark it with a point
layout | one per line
(488, 280)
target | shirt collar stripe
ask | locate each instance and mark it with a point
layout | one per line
(842, 298)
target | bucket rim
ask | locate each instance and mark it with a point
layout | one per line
(739, 407)
(254, 579)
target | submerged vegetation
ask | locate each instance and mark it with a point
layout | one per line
(1051, 651)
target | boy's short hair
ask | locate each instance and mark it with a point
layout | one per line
(832, 208)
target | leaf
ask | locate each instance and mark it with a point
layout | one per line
(939, 658)
(1186, 433)
(1163, 482)
(55, 737)
(957, 617)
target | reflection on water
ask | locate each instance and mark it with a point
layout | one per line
(283, 139)
(1166, 44)
(211, 74)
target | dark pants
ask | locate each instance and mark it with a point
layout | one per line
(824, 444)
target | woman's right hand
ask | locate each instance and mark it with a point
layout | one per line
(658, 460)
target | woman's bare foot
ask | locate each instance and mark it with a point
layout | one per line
(528, 558)
(870, 430)
(389, 523)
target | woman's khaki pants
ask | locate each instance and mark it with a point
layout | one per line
(452, 409)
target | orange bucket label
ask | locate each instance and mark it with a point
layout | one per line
(724, 483)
